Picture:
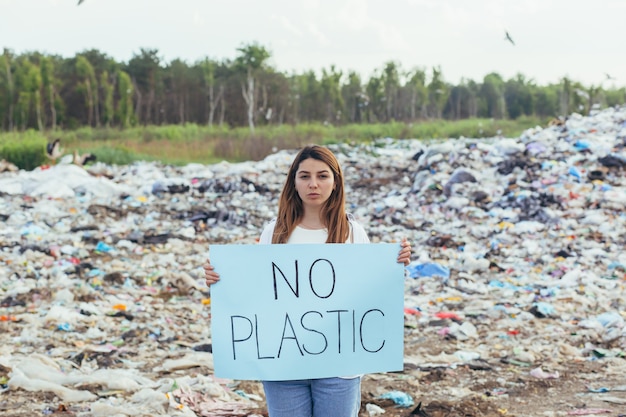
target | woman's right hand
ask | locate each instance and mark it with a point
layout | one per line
(210, 276)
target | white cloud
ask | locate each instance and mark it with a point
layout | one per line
(354, 15)
(392, 39)
(319, 36)
(198, 20)
(311, 4)
(286, 24)
(425, 3)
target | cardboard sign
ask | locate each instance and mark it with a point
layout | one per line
(284, 312)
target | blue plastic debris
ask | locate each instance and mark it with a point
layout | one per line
(32, 229)
(103, 247)
(66, 327)
(499, 284)
(610, 319)
(581, 145)
(401, 399)
(428, 269)
(573, 171)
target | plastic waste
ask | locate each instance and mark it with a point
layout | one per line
(430, 269)
(401, 399)
(518, 266)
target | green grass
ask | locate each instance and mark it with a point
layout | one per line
(183, 144)
(27, 150)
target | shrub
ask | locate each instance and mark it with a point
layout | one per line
(27, 151)
(116, 156)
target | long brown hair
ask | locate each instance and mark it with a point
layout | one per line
(291, 210)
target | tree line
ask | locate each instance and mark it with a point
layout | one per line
(44, 91)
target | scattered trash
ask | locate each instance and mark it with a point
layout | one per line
(589, 411)
(374, 410)
(401, 399)
(541, 374)
(519, 264)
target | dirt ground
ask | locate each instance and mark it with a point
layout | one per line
(478, 389)
(497, 390)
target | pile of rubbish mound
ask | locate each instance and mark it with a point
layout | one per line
(519, 258)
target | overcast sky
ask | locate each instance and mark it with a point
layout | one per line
(581, 39)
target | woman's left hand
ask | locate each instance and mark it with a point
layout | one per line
(404, 257)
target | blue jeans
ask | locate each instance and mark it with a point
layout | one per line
(324, 397)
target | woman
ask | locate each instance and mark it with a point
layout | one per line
(312, 210)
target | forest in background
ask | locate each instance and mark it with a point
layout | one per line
(48, 92)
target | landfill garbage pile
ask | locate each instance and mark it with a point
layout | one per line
(516, 288)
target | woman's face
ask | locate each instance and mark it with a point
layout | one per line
(314, 182)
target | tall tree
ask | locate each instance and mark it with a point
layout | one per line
(391, 87)
(565, 96)
(108, 107)
(331, 93)
(518, 97)
(456, 102)
(49, 85)
(276, 101)
(251, 60)
(29, 86)
(124, 111)
(145, 70)
(353, 97)
(580, 99)
(89, 85)
(7, 71)
(375, 108)
(596, 96)
(438, 93)
(547, 101)
(493, 92)
(208, 71)
(463, 100)
(100, 63)
(310, 98)
(418, 94)
(176, 81)
(474, 101)
(615, 97)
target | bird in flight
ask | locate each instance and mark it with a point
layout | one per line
(79, 2)
(609, 77)
(508, 38)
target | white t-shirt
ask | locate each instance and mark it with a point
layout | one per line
(301, 235)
